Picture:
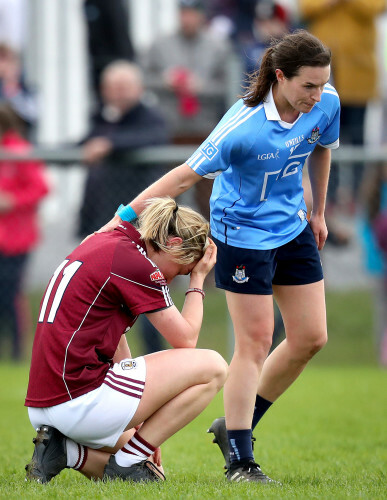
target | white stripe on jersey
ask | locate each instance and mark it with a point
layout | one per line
(167, 297)
(331, 92)
(196, 156)
(329, 89)
(136, 282)
(200, 162)
(254, 110)
(229, 122)
(76, 331)
(228, 127)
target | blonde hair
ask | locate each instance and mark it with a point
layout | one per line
(163, 218)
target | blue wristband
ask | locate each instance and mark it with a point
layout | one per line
(126, 213)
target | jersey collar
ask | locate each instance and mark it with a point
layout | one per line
(272, 112)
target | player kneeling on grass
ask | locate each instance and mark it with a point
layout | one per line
(86, 395)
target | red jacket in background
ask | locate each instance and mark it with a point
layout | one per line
(26, 183)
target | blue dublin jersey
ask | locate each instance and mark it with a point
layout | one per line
(257, 160)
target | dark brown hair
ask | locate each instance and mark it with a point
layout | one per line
(288, 54)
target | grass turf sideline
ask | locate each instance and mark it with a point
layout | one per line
(325, 438)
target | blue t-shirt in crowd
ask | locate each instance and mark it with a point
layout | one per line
(257, 160)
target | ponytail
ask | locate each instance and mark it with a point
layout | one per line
(260, 81)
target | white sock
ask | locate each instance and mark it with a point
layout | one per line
(76, 454)
(136, 450)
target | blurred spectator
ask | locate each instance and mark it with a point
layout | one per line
(22, 187)
(123, 124)
(13, 88)
(349, 30)
(108, 35)
(188, 73)
(373, 232)
(239, 12)
(271, 20)
(237, 18)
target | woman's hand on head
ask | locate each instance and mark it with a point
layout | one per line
(207, 262)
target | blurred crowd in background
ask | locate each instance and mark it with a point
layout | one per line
(158, 73)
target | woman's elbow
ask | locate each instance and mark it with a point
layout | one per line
(187, 341)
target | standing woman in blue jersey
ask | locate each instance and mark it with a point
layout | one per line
(266, 246)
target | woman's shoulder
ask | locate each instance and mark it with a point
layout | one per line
(330, 100)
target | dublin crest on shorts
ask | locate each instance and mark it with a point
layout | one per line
(240, 275)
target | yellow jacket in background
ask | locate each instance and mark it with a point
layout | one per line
(348, 28)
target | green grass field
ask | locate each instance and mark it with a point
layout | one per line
(325, 438)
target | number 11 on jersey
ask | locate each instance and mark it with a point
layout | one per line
(68, 273)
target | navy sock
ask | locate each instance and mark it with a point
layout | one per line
(260, 408)
(240, 445)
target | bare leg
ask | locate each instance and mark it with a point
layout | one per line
(177, 389)
(304, 314)
(253, 320)
(180, 383)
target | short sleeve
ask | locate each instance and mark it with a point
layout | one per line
(214, 155)
(330, 137)
(137, 281)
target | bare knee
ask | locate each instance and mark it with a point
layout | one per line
(254, 348)
(216, 368)
(307, 347)
(318, 343)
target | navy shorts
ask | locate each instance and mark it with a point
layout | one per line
(243, 270)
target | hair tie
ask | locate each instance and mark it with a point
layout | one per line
(176, 208)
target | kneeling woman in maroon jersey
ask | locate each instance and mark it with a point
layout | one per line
(85, 392)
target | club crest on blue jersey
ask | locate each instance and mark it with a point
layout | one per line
(314, 136)
(210, 150)
(128, 364)
(240, 275)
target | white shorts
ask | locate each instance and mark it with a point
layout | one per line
(99, 417)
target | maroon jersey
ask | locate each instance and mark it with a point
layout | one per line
(95, 294)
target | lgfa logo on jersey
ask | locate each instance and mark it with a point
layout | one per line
(128, 364)
(210, 150)
(240, 275)
(269, 156)
(314, 136)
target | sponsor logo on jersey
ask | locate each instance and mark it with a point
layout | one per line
(210, 150)
(314, 136)
(269, 156)
(128, 364)
(294, 141)
(240, 275)
(157, 276)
